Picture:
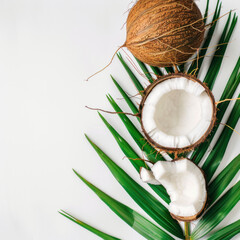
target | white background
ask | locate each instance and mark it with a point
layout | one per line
(47, 49)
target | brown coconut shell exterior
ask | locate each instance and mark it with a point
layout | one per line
(203, 138)
(196, 216)
(164, 32)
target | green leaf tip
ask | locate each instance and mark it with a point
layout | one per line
(88, 227)
(89, 140)
(131, 217)
(79, 176)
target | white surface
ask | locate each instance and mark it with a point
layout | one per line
(47, 49)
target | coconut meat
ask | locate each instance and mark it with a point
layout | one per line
(148, 177)
(177, 112)
(184, 182)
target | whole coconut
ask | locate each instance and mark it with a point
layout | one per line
(164, 32)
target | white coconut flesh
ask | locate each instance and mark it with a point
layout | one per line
(177, 113)
(185, 184)
(148, 177)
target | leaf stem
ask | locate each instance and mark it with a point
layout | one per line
(187, 230)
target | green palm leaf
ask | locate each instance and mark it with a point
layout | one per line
(197, 63)
(181, 68)
(227, 232)
(126, 98)
(132, 155)
(125, 147)
(156, 71)
(137, 84)
(220, 183)
(145, 70)
(128, 215)
(206, 12)
(219, 53)
(215, 157)
(142, 197)
(88, 227)
(228, 93)
(136, 135)
(169, 69)
(217, 212)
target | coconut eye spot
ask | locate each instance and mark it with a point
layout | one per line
(177, 112)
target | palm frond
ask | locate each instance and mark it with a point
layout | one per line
(220, 51)
(228, 93)
(215, 157)
(134, 159)
(126, 98)
(217, 212)
(169, 69)
(156, 71)
(136, 82)
(227, 232)
(143, 198)
(197, 63)
(206, 12)
(132, 218)
(181, 68)
(136, 135)
(220, 183)
(88, 227)
(145, 70)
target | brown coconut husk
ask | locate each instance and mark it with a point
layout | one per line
(164, 32)
(203, 138)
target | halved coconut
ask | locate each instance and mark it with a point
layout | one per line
(185, 184)
(177, 112)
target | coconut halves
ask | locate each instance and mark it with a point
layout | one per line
(164, 32)
(185, 183)
(177, 113)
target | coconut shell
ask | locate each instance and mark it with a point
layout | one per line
(191, 218)
(164, 32)
(203, 138)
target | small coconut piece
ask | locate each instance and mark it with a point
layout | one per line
(185, 184)
(147, 176)
(164, 32)
(177, 113)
